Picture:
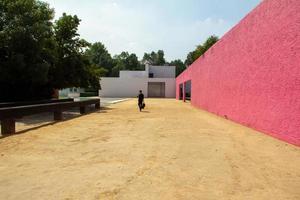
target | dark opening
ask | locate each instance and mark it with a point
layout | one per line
(181, 91)
(188, 90)
(156, 89)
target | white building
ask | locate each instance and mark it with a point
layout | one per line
(155, 81)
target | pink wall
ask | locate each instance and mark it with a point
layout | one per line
(252, 75)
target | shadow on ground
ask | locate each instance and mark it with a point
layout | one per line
(37, 121)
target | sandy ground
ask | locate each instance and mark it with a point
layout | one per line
(170, 151)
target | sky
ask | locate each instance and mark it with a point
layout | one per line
(139, 26)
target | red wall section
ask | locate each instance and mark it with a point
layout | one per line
(252, 75)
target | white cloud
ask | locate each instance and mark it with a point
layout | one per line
(137, 31)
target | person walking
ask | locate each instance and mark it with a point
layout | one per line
(141, 103)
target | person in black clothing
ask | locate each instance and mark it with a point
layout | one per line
(141, 100)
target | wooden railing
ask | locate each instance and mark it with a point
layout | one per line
(8, 115)
(25, 103)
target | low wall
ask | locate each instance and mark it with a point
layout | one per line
(252, 75)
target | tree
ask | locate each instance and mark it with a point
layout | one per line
(99, 56)
(200, 50)
(25, 49)
(154, 58)
(125, 61)
(160, 60)
(210, 42)
(180, 66)
(37, 56)
(189, 59)
(72, 67)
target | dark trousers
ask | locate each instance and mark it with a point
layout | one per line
(140, 104)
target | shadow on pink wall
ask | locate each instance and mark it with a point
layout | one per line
(252, 75)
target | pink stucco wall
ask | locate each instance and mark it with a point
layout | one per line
(252, 75)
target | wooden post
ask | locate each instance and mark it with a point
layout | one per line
(55, 94)
(8, 126)
(82, 109)
(58, 115)
(97, 106)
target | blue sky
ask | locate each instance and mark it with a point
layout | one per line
(138, 26)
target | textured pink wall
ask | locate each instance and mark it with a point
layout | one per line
(252, 75)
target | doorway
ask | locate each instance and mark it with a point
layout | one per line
(156, 89)
(188, 90)
(181, 91)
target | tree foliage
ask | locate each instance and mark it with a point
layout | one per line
(154, 58)
(110, 67)
(125, 61)
(180, 66)
(72, 67)
(100, 58)
(37, 56)
(25, 49)
(200, 50)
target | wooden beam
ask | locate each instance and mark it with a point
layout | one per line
(28, 103)
(9, 114)
(8, 126)
(97, 105)
(58, 115)
(21, 111)
(82, 109)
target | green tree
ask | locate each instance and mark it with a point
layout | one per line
(154, 58)
(180, 66)
(125, 61)
(37, 56)
(200, 50)
(25, 49)
(160, 58)
(99, 56)
(72, 67)
(189, 59)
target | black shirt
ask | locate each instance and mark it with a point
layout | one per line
(141, 97)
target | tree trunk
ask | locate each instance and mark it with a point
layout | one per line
(55, 94)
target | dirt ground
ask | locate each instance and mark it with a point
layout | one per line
(170, 151)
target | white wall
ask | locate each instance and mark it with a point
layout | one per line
(121, 87)
(130, 82)
(129, 87)
(158, 72)
(170, 90)
(133, 74)
(163, 71)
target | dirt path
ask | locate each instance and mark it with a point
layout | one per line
(171, 151)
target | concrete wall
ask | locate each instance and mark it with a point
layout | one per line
(252, 75)
(133, 74)
(158, 72)
(163, 71)
(129, 87)
(170, 86)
